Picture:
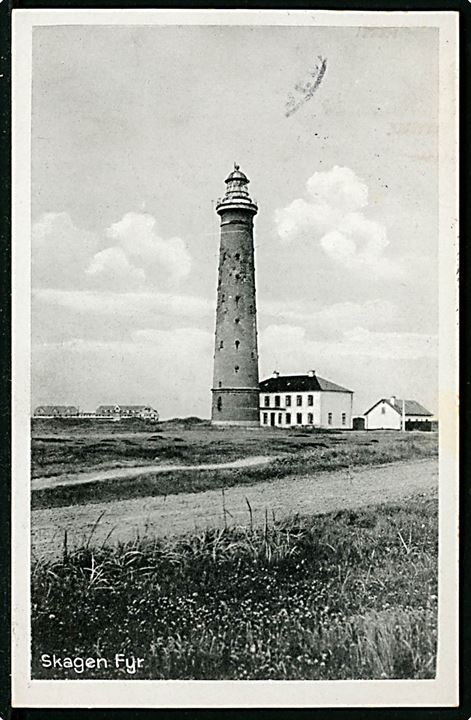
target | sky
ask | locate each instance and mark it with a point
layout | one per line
(134, 130)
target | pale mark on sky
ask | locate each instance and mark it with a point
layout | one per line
(307, 89)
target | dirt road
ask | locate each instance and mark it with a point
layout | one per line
(178, 514)
(82, 478)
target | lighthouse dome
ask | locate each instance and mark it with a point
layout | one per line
(236, 174)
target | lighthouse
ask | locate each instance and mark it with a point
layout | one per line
(235, 389)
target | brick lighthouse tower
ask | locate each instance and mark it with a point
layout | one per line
(235, 383)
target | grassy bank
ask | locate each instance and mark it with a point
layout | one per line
(64, 446)
(297, 455)
(339, 596)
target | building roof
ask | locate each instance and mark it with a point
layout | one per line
(125, 407)
(411, 407)
(135, 407)
(56, 408)
(300, 383)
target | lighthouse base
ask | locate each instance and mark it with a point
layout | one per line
(236, 423)
(235, 406)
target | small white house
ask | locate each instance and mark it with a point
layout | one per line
(393, 413)
(304, 400)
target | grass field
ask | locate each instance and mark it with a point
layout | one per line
(347, 595)
(61, 448)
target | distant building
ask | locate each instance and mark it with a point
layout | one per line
(56, 411)
(109, 412)
(304, 400)
(391, 413)
(122, 412)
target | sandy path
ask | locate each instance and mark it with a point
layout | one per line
(177, 514)
(81, 478)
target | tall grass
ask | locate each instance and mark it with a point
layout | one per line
(339, 596)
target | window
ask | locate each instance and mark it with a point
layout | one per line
(236, 369)
(299, 400)
(266, 401)
(344, 419)
(280, 418)
(288, 401)
(223, 298)
(383, 410)
(299, 418)
(277, 401)
(237, 343)
(220, 383)
(310, 418)
(288, 418)
(219, 403)
(237, 298)
(221, 345)
(237, 321)
(265, 418)
(310, 399)
(237, 256)
(329, 419)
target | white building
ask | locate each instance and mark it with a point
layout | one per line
(391, 413)
(120, 412)
(304, 400)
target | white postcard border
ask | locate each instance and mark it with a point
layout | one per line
(442, 691)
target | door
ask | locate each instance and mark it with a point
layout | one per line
(272, 419)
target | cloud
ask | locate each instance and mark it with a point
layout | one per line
(341, 184)
(301, 217)
(330, 320)
(134, 305)
(113, 266)
(107, 314)
(333, 217)
(125, 256)
(285, 342)
(137, 236)
(60, 251)
(60, 315)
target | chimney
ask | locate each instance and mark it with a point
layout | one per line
(311, 373)
(392, 399)
(276, 373)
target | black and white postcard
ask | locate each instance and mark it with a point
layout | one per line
(235, 358)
